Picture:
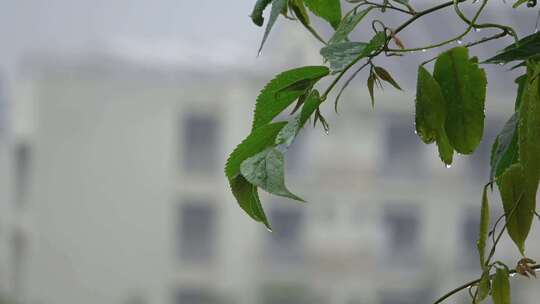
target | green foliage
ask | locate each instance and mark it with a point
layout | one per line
(348, 24)
(283, 90)
(330, 10)
(266, 170)
(501, 287)
(257, 14)
(341, 54)
(278, 6)
(449, 110)
(463, 85)
(484, 229)
(431, 114)
(516, 205)
(526, 48)
(505, 148)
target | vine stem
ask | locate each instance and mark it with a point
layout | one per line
(397, 30)
(472, 283)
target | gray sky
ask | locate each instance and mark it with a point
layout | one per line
(182, 31)
(78, 25)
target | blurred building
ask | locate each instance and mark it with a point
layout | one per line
(119, 196)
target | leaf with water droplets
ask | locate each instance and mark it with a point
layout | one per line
(266, 170)
(463, 85)
(431, 114)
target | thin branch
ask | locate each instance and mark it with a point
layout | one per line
(472, 283)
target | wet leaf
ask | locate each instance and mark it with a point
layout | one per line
(247, 197)
(517, 205)
(340, 55)
(463, 85)
(266, 170)
(524, 49)
(283, 90)
(431, 114)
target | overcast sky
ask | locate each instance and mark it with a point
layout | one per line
(72, 25)
(176, 30)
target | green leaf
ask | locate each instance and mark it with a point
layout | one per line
(385, 75)
(266, 170)
(329, 10)
(278, 6)
(247, 197)
(370, 85)
(505, 149)
(299, 10)
(501, 287)
(374, 45)
(484, 286)
(431, 114)
(342, 54)
(463, 85)
(256, 142)
(283, 90)
(524, 49)
(529, 156)
(484, 229)
(347, 25)
(519, 2)
(287, 135)
(258, 10)
(517, 205)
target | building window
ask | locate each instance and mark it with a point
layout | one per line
(23, 157)
(402, 226)
(197, 230)
(200, 143)
(403, 148)
(285, 242)
(195, 296)
(283, 293)
(412, 296)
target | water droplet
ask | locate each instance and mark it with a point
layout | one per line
(501, 63)
(477, 29)
(415, 132)
(513, 275)
(424, 50)
(326, 132)
(448, 166)
(259, 53)
(459, 41)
